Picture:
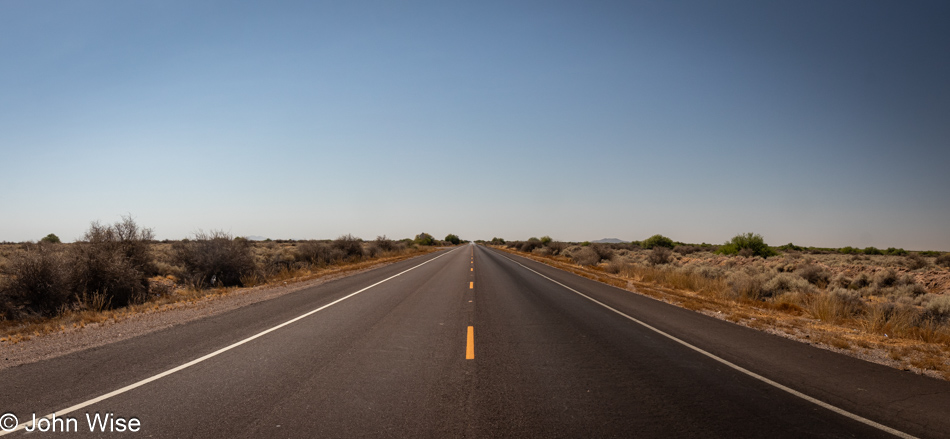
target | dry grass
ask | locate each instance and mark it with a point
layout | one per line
(870, 306)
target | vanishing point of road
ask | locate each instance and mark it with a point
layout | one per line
(473, 342)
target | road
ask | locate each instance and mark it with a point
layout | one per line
(472, 342)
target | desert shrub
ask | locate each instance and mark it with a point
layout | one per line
(907, 291)
(841, 281)
(884, 279)
(529, 245)
(113, 261)
(895, 251)
(791, 247)
(659, 255)
(747, 286)
(915, 262)
(938, 308)
(835, 305)
(313, 252)
(872, 251)
(453, 238)
(815, 275)
(786, 282)
(943, 260)
(385, 244)
(497, 241)
(685, 249)
(349, 246)
(278, 259)
(585, 256)
(848, 250)
(709, 272)
(615, 266)
(51, 239)
(542, 251)
(215, 258)
(38, 282)
(604, 252)
(557, 247)
(746, 244)
(862, 280)
(424, 239)
(656, 240)
(545, 240)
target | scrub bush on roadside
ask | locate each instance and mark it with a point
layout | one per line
(585, 256)
(38, 284)
(349, 246)
(215, 258)
(113, 261)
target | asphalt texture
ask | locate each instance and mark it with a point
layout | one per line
(391, 361)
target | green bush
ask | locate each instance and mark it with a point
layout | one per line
(497, 241)
(51, 239)
(895, 251)
(454, 239)
(872, 251)
(751, 244)
(848, 250)
(791, 247)
(424, 239)
(657, 240)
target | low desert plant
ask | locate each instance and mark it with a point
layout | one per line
(215, 258)
(659, 255)
(113, 260)
(585, 256)
(686, 249)
(914, 261)
(453, 238)
(815, 275)
(835, 305)
(943, 260)
(786, 282)
(38, 284)
(349, 246)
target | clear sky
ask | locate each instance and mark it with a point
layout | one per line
(823, 123)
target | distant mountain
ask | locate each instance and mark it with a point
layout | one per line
(609, 241)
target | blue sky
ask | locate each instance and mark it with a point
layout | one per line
(820, 123)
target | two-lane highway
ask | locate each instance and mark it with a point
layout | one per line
(473, 342)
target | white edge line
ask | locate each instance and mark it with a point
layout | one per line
(213, 354)
(801, 395)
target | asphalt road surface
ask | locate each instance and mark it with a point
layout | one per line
(469, 342)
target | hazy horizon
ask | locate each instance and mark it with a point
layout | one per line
(819, 123)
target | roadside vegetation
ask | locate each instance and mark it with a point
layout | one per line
(118, 269)
(888, 303)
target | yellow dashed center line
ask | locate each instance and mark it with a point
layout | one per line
(470, 344)
(471, 285)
